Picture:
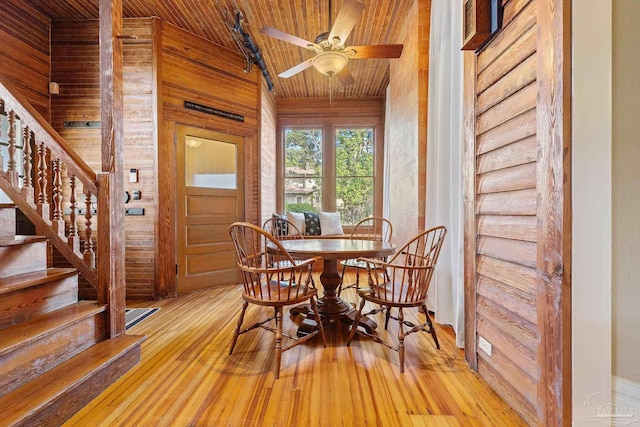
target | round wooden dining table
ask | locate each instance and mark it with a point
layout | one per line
(331, 250)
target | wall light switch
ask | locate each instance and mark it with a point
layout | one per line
(484, 345)
(133, 175)
(136, 195)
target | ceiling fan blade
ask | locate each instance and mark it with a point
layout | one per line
(377, 51)
(345, 21)
(345, 77)
(280, 35)
(295, 70)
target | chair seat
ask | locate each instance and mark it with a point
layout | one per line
(279, 293)
(388, 296)
(354, 263)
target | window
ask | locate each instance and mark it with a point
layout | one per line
(354, 174)
(333, 170)
(302, 169)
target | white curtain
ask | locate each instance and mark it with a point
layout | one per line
(444, 200)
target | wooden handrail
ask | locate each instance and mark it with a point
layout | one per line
(39, 195)
(47, 134)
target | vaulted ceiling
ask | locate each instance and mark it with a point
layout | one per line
(381, 23)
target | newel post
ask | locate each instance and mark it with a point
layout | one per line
(111, 264)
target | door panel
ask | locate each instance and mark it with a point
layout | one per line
(210, 197)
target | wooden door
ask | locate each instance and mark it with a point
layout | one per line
(210, 188)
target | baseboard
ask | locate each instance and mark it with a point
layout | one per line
(626, 393)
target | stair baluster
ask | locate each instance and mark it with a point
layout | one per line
(88, 254)
(73, 238)
(57, 220)
(27, 184)
(43, 203)
(12, 171)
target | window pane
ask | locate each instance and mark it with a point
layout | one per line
(303, 170)
(354, 199)
(210, 163)
(354, 152)
(354, 174)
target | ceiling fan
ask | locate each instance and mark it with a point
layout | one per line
(332, 54)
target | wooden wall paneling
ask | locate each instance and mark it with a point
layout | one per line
(111, 252)
(518, 103)
(513, 178)
(515, 129)
(25, 55)
(508, 227)
(522, 75)
(469, 172)
(510, 346)
(521, 303)
(523, 253)
(521, 49)
(518, 153)
(554, 211)
(521, 202)
(164, 274)
(524, 20)
(193, 69)
(518, 276)
(508, 392)
(75, 67)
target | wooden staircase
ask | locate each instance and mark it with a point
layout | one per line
(54, 352)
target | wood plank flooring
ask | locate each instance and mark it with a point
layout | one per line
(186, 377)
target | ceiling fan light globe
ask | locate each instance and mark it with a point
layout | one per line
(329, 63)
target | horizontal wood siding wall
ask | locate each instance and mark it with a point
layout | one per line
(25, 58)
(194, 69)
(268, 157)
(506, 150)
(76, 67)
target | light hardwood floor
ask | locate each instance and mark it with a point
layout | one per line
(186, 377)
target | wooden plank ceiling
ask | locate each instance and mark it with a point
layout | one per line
(381, 23)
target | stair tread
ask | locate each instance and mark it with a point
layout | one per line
(38, 327)
(26, 280)
(39, 392)
(7, 205)
(20, 240)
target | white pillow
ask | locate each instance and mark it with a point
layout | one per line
(330, 224)
(297, 219)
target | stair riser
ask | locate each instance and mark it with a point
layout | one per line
(21, 259)
(27, 303)
(68, 403)
(36, 357)
(7, 221)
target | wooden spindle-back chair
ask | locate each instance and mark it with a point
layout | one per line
(271, 284)
(372, 228)
(401, 283)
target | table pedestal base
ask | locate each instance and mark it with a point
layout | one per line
(346, 314)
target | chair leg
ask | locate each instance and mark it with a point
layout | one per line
(387, 316)
(431, 328)
(344, 268)
(236, 333)
(316, 315)
(278, 340)
(352, 332)
(401, 336)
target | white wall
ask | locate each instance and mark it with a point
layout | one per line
(591, 205)
(626, 191)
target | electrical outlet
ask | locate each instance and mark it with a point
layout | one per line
(484, 345)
